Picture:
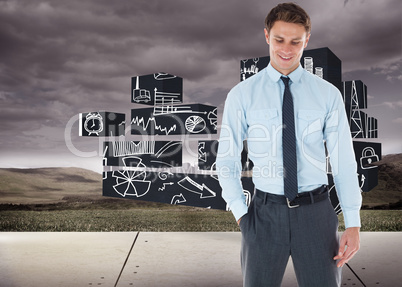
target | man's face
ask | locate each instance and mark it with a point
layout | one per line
(286, 44)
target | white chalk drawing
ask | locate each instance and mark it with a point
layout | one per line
(124, 148)
(164, 186)
(163, 76)
(178, 199)
(139, 121)
(164, 98)
(213, 118)
(252, 70)
(162, 163)
(192, 186)
(202, 155)
(195, 124)
(355, 116)
(169, 109)
(362, 179)
(93, 123)
(368, 157)
(319, 72)
(308, 64)
(163, 175)
(140, 95)
(166, 147)
(132, 182)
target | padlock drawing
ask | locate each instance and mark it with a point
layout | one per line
(368, 157)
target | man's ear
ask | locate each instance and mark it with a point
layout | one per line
(307, 39)
(266, 35)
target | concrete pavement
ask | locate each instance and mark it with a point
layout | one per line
(167, 259)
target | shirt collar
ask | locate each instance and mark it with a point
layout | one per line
(275, 75)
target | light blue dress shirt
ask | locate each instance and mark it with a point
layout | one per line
(253, 111)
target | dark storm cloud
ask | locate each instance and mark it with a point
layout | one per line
(60, 58)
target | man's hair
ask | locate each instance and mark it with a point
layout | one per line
(290, 13)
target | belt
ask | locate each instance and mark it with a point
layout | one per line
(303, 198)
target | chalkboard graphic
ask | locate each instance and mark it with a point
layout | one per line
(195, 124)
(202, 154)
(163, 76)
(97, 124)
(157, 89)
(174, 120)
(192, 186)
(367, 158)
(131, 182)
(140, 95)
(178, 199)
(157, 154)
(93, 123)
(213, 118)
(246, 71)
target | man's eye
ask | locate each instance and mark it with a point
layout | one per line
(279, 41)
(295, 43)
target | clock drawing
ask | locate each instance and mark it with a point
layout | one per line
(93, 123)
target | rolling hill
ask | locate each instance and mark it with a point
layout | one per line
(47, 185)
(66, 185)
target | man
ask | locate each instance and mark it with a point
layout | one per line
(290, 213)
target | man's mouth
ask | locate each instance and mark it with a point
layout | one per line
(285, 58)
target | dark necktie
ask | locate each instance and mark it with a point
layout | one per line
(289, 144)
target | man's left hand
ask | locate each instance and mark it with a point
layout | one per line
(349, 245)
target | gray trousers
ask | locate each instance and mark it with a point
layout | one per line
(272, 232)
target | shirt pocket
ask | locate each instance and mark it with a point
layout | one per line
(262, 130)
(310, 126)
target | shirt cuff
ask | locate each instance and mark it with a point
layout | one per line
(238, 208)
(352, 218)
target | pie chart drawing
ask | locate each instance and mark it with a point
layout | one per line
(195, 124)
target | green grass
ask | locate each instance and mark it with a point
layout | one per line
(158, 219)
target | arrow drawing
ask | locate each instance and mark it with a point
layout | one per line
(192, 186)
(363, 179)
(179, 198)
(201, 154)
(164, 186)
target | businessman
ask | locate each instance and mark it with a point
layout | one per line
(289, 117)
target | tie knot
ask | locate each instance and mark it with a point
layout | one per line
(285, 81)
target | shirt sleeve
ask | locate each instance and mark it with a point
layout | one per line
(228, 161)
(342, 158)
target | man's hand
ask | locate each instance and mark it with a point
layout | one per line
(350, 241)
(238, 222)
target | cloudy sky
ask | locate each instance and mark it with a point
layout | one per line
(60, 58)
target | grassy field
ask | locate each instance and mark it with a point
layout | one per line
(157, 219)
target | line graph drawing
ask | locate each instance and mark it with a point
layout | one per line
(140, 121)
(174, 120)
